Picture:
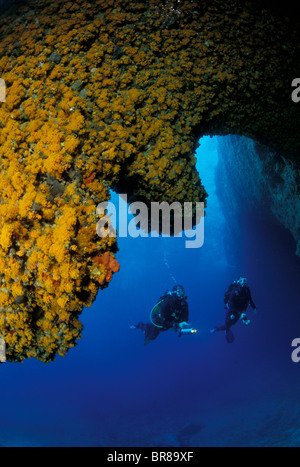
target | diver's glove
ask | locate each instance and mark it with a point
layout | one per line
(245, 320)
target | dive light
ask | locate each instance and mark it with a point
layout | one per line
(189, 331)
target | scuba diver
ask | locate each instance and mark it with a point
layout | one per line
(171, 312)
(237, 299)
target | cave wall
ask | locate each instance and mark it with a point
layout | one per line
(253, 179)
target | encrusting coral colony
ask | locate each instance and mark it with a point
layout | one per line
(115, 94)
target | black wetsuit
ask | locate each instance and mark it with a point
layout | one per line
(236, 300)
(173, 311)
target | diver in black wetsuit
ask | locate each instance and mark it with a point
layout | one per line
(237, 299)
(171, 312)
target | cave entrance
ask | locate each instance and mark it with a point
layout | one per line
(238, 241)
(206, 372)
(244, 237)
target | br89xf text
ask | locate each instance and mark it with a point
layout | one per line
(176, 456)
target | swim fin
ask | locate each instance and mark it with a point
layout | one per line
(229, 337)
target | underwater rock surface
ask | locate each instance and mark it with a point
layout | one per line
(252, 178)
(116, 94)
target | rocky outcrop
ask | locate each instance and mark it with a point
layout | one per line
(251, 177)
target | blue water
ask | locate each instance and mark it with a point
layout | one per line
(194, 391)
